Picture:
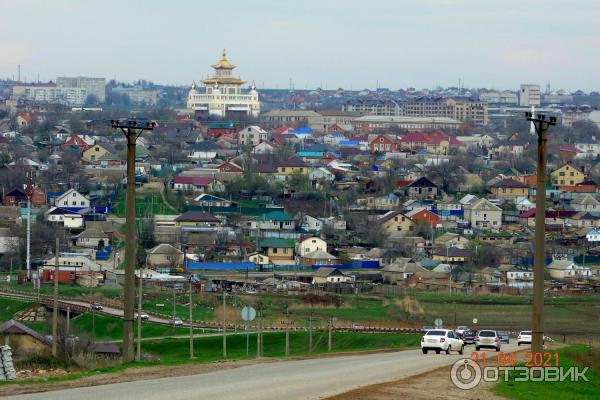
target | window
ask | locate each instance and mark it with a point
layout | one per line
(274, 251)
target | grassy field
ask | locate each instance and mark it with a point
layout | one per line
(145, 203)
(9, 307)
(64, 290)
(109, 328)
(210, 348)
(568, 357)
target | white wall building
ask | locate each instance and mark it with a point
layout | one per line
(530, 95)
(93, 86)
(51, 93)
(72, 199)
(252, 135)
(223, 94)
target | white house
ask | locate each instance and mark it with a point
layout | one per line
(593, 235)
(330, 275)
(263, 148)
(252, 135)
(321, 174)
(65, 217)
(72, 199)
(311, 224)
(565, 269)
(524, 204)
(520, 279)
(309, 244)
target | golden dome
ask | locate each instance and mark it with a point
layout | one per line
(223, 63)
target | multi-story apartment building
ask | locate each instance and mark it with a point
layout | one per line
(51, 93)
(94, 86)
(373, 107)
(464, 110)
(138, 95)
(530, 95)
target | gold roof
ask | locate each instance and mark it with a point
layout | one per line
(223, 63)
(223, 80)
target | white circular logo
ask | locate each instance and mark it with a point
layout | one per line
(465, 374)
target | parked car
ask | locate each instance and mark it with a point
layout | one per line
(96, 307)
(441, 340)
(469, 337)
(504, 337)
(462, 329)
(175, 321)
(487, 339)
(524, 338)
(143, 315)
(427, 328)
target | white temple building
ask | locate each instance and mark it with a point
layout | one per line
(222, 96)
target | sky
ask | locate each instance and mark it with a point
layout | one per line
(496, 44)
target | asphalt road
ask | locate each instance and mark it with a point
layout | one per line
(289, 380)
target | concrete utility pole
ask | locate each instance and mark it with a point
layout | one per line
(29, 195)
(55, 301)
(541, 125)
(139, 317)
(132, 130)
(224, 324)
(191, 322)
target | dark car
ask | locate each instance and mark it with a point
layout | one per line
(469, 337)
(96, 306)
(504, 337)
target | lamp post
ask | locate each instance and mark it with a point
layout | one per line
(541, 125)
(132, 130)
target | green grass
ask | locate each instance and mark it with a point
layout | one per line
(210, 348)
(111, 328)
(557, 390)
(144, 203)
(9, 307)
(64, 290)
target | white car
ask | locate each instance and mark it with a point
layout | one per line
(143, 315)
(442, 340)
(487, 339)
(524, 338)
(175, 321)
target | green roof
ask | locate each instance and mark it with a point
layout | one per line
(276, 216)
(221, 125)
(277, 243)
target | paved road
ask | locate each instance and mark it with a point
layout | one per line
(289, 380)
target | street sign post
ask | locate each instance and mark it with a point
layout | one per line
(248, 314)
(438, 322)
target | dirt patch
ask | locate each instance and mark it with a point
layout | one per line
(412, 307)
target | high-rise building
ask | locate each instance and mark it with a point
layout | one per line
(94, 86)
(223, 94)
(530, 95)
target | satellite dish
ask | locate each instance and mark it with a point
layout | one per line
(475, 320)
(438, 322)
(248, 313)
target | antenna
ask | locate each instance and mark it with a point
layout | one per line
(19, 72)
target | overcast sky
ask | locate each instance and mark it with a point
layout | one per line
(327, 43)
